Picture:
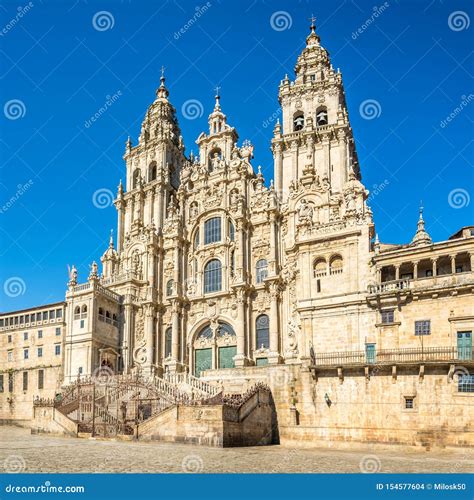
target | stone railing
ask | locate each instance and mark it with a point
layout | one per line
(117, 278)
(394, 356)
(390, 286)
(181, 379)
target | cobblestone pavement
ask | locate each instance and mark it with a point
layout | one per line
(21, 451)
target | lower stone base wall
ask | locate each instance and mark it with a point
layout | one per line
(334, 410)
(46, 419)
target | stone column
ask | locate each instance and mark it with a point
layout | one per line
(434, 263)
(272, 265)
(326, 160)
(149, 338)
(151, 199)
(128, 339)
(278, 169)
(415, 270)
(274, 354)
(397, 272)
(240, 257)
(174, 336)
(241, 358)
(453, 264)
(120, 224)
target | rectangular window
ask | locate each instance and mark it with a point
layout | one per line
(423, 327)
(40, 352)
(10, 356)
(370, 355)
(10, 339)
(82, 323)
(25, 336)
(38, 316)
(59, 313)
(52, 314)
(40, 379)
(25, 381)
(2, 388)
(25, 354)
(58, 331)
(466, 383)
(22, 320)
(57, 349)
(428, 273)
(2, 322)
(11, 384)
(318, 286)
(212, 230)
(40, 334)
(27, 318)
(388, 316)
(16, 320)
(409, 403)
(45, 315)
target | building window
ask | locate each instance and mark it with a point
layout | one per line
(57, 349)
(319, 268)
(152, 172)
(168, 342)
(2, 322)
(52, 314)
(388, 316)
(84, 311)
(40, 334)
(213, 276)
(77, 312)
(196, 238)
(40, 352)
(409, 403)
(25, 354)
(212, 230)
(423, 327)
(10, 339)
(40, 379)
(466, 383)
(10, 356)
(58, 331)
(11, 384)
(318, 286)
(25, 336)
(335, 265)
(59, 313)
(136, 177)
(458, 269)
(45, 315)
(81, 324)
(169, 288)
(231, 231)
(38, 316)
(2, 388)
(101, 314)
(262, 327)
(321, 116)
(262, 270)
(428, 273)
(25, 381)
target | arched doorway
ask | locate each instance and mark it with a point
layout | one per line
(214, 348)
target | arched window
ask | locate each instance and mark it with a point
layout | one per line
(101, 314)
(262, 270)
(231, 231)
(107, 317)
(213, 276)
(335, 265)
(205, 333)
(262, 327)
(136, 176)
(196, 238)
(321, 116)
(169, 288)
(77, 312)
(114, 319)
(298, 121)
(168, 342)
(225, 329)
(212, 230)
(319, 268)
(84, 311)
(232, 262)
(152, 172)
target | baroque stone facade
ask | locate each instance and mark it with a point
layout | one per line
(218, 274)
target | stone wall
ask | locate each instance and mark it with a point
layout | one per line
(46, 419)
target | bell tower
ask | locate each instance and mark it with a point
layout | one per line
(315, 137)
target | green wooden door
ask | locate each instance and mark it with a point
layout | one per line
(202, 360)
(370, 353)
(226, 355)
(464, 345)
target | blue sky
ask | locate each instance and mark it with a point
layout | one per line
(63, 61)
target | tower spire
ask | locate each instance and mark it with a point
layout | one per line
(162, 91)
(421, 236)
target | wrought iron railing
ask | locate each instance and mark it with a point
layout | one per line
(394, 356)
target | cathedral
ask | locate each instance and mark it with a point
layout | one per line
(216, 275)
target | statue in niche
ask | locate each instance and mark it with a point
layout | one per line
(305, 212)
(193, 210)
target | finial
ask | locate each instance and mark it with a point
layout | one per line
(120, 188)
(162, 72)
(313, 26)
(421, 209)
(217, 106)
(111, 240)
(162, 91)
